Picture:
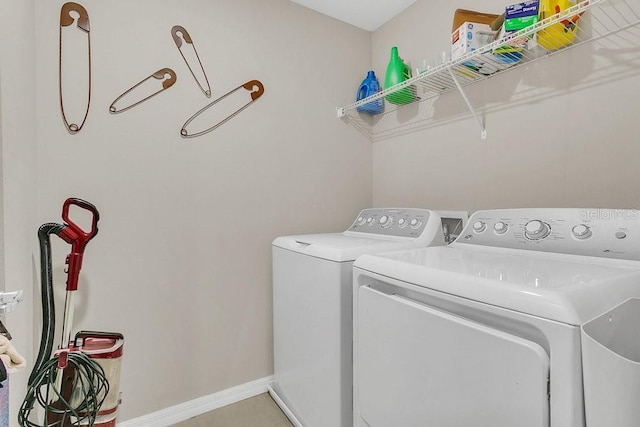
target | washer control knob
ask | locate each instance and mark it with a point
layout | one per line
(500, 227)
(385, 220)
(536, 230)
(581, 231)
(479, 226)
(402, 222)
(415, 223)
(360, 220)
(369, 220)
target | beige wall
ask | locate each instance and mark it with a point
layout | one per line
(182, 263)
(18, 184)
(562, 132)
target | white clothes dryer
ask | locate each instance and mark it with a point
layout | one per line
(486, 331)
(312, 303)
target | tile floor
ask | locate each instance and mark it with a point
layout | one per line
(258, 411)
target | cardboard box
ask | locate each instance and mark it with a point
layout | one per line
(521, 15)
(468, 37)
(518, 17)
(462, 15)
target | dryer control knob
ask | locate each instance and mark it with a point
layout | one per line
(536, 230)
(415, 223)
(360, 220)
(581, 231)
(500, 227)
(479, 226)
(402, 222)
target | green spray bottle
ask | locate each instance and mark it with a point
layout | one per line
(397, 72)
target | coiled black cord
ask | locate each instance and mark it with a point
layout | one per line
(80, 407)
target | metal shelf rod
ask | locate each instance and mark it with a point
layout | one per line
(483, 130)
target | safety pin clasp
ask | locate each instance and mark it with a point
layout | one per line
(66, 19)
(168, 77)
(179, 33)
(256, 88)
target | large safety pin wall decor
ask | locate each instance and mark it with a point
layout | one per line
(255, 94)
(83, 25)
(179, 33)
(168, 77)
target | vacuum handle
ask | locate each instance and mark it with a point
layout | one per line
(85, 236)
(77, 237)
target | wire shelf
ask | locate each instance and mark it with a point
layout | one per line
(9, 301)
(598, 19)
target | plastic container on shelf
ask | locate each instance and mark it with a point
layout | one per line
(370, 86)
(398, 72)
(561, 34)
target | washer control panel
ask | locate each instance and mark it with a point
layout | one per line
(610, 233)
(400, 222)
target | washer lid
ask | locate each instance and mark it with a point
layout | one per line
(375, 230)
(567, 288)
(340, 247)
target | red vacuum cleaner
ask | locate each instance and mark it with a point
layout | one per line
(79, 384)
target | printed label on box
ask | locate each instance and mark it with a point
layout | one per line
(468, 37)
(521, 15)
(517, 17)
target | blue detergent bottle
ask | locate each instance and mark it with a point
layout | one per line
(370, 86)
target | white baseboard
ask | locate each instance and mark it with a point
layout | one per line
(175, 414)
(283, 406)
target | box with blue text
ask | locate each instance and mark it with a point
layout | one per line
(518, 17)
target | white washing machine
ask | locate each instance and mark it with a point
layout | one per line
(312, 303)
(486, 331)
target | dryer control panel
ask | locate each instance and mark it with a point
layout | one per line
(608, 233)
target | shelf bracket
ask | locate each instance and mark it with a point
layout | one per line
(340, 112)
(483, 130)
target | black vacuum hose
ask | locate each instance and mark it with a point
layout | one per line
(48, 304)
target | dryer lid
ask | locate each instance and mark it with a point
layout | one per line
(567, 288)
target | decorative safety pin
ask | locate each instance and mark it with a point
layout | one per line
(158, 75)
(255, 94)
(83, 24)
(176, 32)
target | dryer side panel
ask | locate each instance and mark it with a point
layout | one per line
(420, 366)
